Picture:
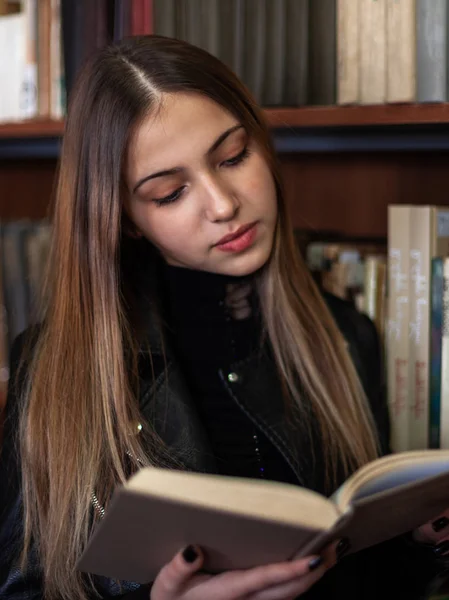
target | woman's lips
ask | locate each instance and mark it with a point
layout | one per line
(242, 239)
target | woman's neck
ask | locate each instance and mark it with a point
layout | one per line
(200, 316)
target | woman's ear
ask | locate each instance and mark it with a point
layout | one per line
(129, 229)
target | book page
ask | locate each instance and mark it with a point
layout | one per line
(409, 474)
(391, 473)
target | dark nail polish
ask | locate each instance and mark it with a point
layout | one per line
(441, 548)
(315, 563)
(190, 554)
(440, 524)
(342, 547)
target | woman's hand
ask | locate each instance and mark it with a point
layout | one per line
(435, 533)
(181, 579)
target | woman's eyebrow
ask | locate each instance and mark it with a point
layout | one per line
(221, 138)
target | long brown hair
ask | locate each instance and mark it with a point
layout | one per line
(81, 409)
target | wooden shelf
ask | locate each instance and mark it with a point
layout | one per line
(356, 116)
(341, 166)
(32, 128)
(308, 129)
(304, 116)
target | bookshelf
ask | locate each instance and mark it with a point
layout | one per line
(307, 116)
(385, 128)
(342, 166)
(346, 116)
(32, 128)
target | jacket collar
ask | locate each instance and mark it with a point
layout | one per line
(254, 385)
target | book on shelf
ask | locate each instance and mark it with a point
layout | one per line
(373, 51)
(397, 338)
(348, 48)
(431, 50)
(159, 511)
(353, 270)
(401, 59)
(287, 52)
(436, 347)
(429, 237)
(444, 392)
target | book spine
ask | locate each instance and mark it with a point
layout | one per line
(375, 290)
(430, 238)
(147, 20)
(14, 278)
(44, 57)
(164, 17)
(420, 257)
(373, 55)
(211, 13)
(275, 56)
(137, 17)
(13, 75)
(431, 50)
(348, 51)
(297, 53)
(238, 28)
(397, 343)
(4, 354)
(56, 62)
(436, 327)
(29, 100)
(322, 52)
(193, 29)
(370, 287)
(444, 406)
(401, 55)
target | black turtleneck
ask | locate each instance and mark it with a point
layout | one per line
(206, 339)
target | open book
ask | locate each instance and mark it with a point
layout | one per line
(242, 523)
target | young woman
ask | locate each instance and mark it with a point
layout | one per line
(183, 330)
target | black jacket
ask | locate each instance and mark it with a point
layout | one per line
(396, 569)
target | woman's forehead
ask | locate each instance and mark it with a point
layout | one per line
(183, 126)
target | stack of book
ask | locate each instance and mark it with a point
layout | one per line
(403, 286)
(24, 247)
(354, 270)
(418, 326)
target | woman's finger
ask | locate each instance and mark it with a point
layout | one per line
(434, 531)
(253, 581)
(175, 576)
(291, 589)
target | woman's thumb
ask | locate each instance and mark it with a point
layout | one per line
(176, 574)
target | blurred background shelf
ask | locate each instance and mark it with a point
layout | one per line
(31, 128)
(347, 116)
(379, 128)
(34, 139)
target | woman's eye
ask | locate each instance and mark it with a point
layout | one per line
(170, 198)
(236, 160)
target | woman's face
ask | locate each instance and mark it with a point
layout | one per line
(200, 189)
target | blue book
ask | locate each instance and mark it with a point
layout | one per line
(436, 332)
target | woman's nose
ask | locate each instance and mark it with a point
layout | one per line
(222, 203)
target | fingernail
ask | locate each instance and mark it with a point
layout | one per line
(342, 547)
(441, 548)
(315, 563)
(190, 554)
(440, 524)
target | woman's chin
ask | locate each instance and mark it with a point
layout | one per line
(244, 264)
